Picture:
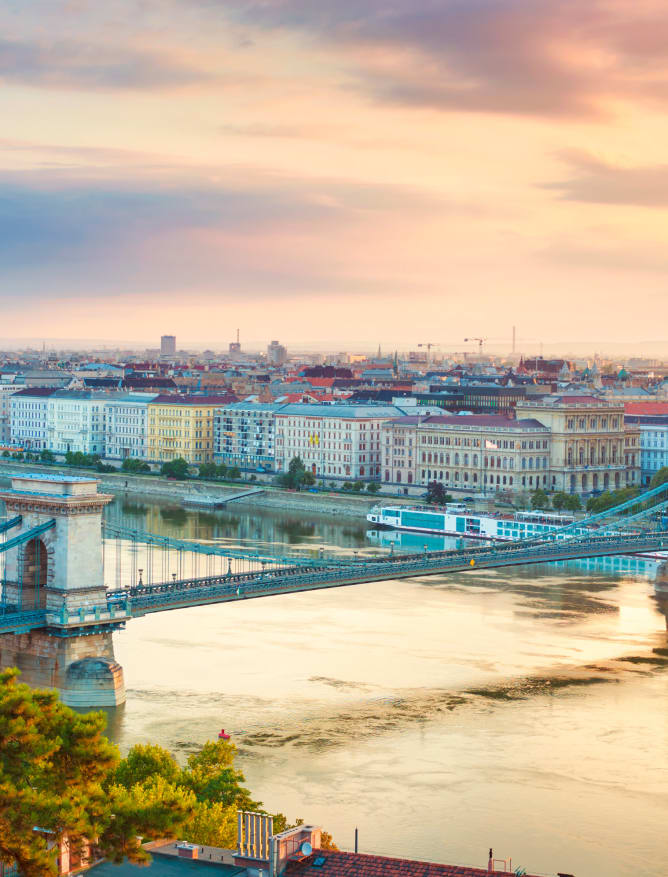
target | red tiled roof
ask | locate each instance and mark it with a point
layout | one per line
(646, 407)
(339, 864)
(169, 399)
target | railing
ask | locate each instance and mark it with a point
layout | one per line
(222, 588)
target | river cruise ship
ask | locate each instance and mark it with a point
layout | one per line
(456, 520)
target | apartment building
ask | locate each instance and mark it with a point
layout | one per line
(244, 435)
(469, 452)
(651, 421)
(7, 390)
(183, 426)
(126, 426)
(75, 421)
(28, 417)
(337, 442)
(591, 450)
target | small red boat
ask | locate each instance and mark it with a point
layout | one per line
(223, 735)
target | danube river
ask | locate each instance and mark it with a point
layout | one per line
(522, 709)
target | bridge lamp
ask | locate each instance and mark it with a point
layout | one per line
(174, 577)
(140, 583)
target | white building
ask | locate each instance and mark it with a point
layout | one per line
(7, 390)
(653, 438)
(244, 435)
(76, 422)
(126, 426)
(28, 418)
(337, 442)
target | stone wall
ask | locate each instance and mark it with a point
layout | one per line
(83, 669)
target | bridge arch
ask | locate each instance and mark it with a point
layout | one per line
(35, 574)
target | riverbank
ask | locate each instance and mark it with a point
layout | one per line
(323, 502)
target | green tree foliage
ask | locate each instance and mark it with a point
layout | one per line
(373, 487)
(610, 499)
(540, 499)
(233, 473)
(209, 788)
(559, 500)
(436, 494)
(177, 468)
(297, 475)
(85, 461)
(659, 477)
(573, 502)
(358, 486)
(56, 772)
(134, 466)
(208, 470)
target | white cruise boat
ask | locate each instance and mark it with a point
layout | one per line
(456, 520)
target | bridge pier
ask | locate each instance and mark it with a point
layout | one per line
(83, 668)
(57, 574)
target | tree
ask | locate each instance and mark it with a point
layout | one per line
(135, 466)
(573, 503)
(540, 499)
(177, 468)
(373, 487)
(56, 772)
(559, 500)
(47, 456)
(234, 473)
(358, 486)
(208, 470)
(659, 477)
(297, 475)
(436, 494)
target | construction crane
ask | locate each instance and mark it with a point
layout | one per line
(480, 343)
(428, 345)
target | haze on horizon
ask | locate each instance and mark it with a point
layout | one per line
(334, 171)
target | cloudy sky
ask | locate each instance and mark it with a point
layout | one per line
(334, 171)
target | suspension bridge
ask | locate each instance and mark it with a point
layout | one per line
(69, 580)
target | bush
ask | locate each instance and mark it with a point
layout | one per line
(135, 466)
(177, 468)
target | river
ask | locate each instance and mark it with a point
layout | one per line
(439, 715)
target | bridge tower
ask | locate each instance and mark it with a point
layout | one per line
(55, 622)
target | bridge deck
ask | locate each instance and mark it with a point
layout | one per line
(221, 589)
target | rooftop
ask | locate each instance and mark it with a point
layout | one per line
(338, 864)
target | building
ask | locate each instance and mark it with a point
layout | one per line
(472, 452)
(183, 426)
(7, 390)
(126, 426)
(276, 353)
(168, 345)
(337, 441)
(75, 422)
(651, 421)
(244, 435)
(591, 450)
(486, 399)
(28, 418)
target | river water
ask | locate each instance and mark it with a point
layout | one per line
(439, 715)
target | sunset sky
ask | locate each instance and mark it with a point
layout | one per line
(334, 171)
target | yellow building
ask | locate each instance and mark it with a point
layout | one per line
(182, 426)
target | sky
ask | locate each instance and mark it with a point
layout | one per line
(344, 172)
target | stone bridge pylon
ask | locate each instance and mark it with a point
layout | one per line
(56, 623)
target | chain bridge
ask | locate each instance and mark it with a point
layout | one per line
(57, 615)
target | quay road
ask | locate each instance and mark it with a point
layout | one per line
(140, 601)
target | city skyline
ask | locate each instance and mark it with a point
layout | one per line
(332, 173)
